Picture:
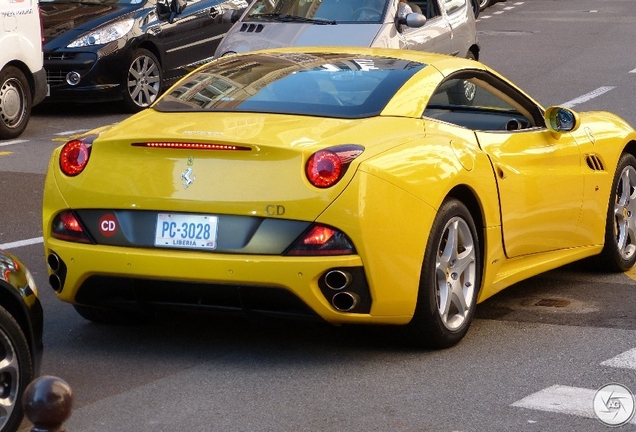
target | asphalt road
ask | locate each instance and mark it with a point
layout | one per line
(532, 361)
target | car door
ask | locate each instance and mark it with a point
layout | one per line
(434, 36)
(461, 20)
(194, 34)
(539, 176)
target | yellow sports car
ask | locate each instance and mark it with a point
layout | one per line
(353, 185)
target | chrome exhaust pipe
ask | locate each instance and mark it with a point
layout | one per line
(55, 282)
(54, 262)
(338, 279)
(345, 301)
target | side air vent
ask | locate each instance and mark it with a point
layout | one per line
(252, 28)
(594, 162)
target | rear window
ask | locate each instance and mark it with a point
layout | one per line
(330, 85)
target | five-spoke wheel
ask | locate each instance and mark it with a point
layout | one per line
(619, 252)
(450, 279)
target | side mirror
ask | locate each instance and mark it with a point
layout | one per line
(560, 120)
(231, 16)
(411, 20)
(176, 7)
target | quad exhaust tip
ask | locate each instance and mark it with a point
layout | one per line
(345, 301)
(337, 279)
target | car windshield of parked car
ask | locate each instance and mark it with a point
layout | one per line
(95, 2)
(317, 11)
(319, 84)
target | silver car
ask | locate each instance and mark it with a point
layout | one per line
(444, 26)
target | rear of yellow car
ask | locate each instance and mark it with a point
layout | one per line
(233, 222)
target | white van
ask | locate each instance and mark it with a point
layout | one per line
(22, 76)
(444, 26)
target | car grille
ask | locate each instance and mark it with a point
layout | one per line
(118, 292)
(58, 64)
(55, 76)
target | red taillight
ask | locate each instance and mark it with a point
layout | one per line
(66, 226)
(322, 240)
(326, 167)
(74, 157)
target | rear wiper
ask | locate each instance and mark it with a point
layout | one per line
(292, 18)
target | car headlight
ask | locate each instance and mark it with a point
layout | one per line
(104, 34)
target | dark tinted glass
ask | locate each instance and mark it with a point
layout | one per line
(332, 85)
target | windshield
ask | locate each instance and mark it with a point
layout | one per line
(331, 11)
(95, 2)
(317, 84)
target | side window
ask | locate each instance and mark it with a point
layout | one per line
(482, 104)
(451, 6)
(428, 7)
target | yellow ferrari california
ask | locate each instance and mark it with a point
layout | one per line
(356, 186)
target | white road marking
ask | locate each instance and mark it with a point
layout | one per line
(8, 143)
(72, 132)
(562, 400)
(632, 71)
(626, 360)
(20, 243)
(586, 97)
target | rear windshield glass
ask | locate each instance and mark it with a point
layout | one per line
(330, 85)
(317, 11)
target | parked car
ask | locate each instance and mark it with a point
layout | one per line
(22, 76)
(446, 27)
(130, 50)
(355, 185)
(20, 338)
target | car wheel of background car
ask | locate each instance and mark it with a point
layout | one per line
(111, 316)
(619, 252)
(15, 102)
(450, 279)
(143, 81)
(483, 4)
(16, 371)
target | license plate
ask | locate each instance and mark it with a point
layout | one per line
(186, 231)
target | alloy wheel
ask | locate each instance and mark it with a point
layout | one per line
(144, 81)
(455, 273)
(625, 213)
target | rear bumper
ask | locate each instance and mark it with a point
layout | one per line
(112, 276)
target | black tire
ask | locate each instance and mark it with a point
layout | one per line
(619, 251)
(143, 81)
(450, 279)
(15, 102)
(483, 4)
(111, 316)
(16, 371)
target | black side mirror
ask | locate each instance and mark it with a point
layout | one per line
(176, 7)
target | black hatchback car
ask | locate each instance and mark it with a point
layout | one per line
(130, 50)
(21, 323)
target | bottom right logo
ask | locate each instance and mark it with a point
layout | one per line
(614, 404)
